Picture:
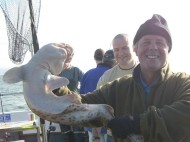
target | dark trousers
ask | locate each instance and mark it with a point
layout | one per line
(73, 134)
(73, 137)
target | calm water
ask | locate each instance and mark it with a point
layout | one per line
(11, 97)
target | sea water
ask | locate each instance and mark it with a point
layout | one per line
(12, 101)
(11, 97)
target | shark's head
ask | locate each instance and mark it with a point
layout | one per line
(52, 56)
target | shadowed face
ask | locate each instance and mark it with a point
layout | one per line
(152, 52)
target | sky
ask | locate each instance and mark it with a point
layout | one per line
(90, 24)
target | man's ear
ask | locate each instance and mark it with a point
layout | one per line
(135, 49)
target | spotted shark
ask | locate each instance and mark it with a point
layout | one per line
(40, 78)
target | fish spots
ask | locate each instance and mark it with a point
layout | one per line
(43, 102)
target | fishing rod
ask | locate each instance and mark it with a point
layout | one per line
(36, 48)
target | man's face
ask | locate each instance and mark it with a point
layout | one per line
(122, 51)
(152, 52)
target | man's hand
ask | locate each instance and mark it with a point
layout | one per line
(124, 126)
(74, 98)
(71, 96)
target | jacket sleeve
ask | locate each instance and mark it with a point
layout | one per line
(102, 81)
(82, 82)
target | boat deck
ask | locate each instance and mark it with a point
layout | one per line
(25, 126)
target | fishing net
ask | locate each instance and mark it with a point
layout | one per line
(22, 17)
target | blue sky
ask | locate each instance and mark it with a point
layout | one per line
(91, 24)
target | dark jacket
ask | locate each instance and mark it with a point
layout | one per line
(165, 117)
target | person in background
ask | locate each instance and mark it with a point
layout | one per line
(89, 83)
(74, 75)
(85, 87)
(124, 56)
(153, 104)
(90, 78)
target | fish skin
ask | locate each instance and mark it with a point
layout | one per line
(40, 78)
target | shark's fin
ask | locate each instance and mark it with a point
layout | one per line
(13, 75)
(53, 82)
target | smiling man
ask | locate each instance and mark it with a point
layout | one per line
(157, 99)
(124, 56)
(154, 103)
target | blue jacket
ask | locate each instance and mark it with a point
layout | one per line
(89, 82)
(90, 78)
